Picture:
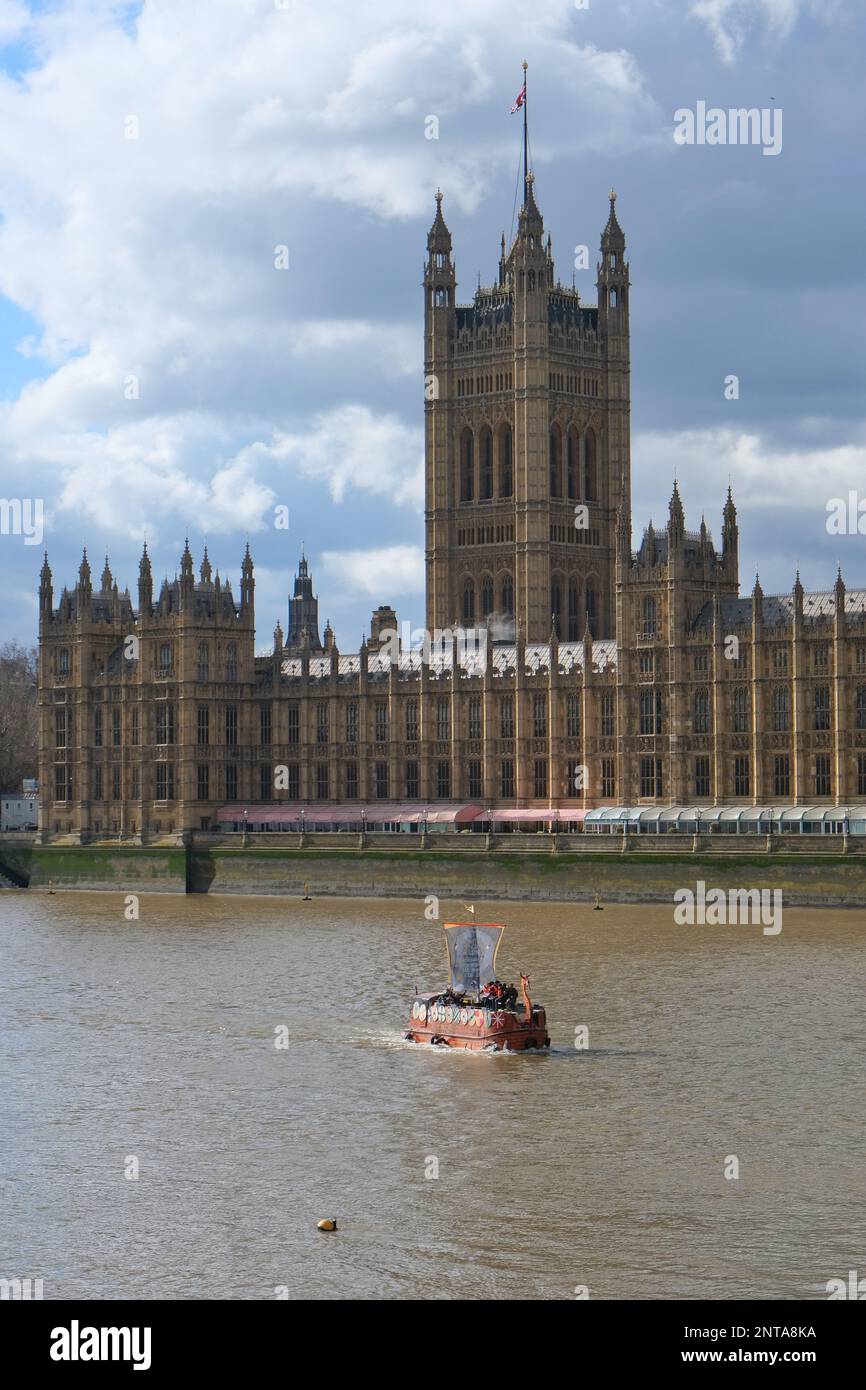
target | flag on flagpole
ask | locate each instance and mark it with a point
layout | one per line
(519, 100)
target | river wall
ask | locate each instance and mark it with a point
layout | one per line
(639, 875)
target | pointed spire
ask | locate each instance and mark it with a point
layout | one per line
(730, 512)
(84, 583)
(530, 206)
(186, 561)
(205, 571)
(248, 583)
(46, 590)
(145, 584)
(439, 237)
(677, 524)
(612, 228)
(757, 599)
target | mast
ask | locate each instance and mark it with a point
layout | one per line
(525, 137)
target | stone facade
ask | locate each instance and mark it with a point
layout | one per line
(566, 670)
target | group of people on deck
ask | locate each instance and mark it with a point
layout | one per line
(496, 995)
(493, 995)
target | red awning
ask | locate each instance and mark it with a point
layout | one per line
(377, 813)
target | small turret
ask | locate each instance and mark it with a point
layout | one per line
(145, 584)
(85, 587)
(612, 273)
(303, 610)
(248, 583)
(676, 518)
(439, 276)
(46, 592)
(757, 603)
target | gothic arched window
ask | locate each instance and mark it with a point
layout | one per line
(702, 712)
(506, 464)
(573, 632)
(573, 484)
(781, 709)
(468, 601)
(556, 605)
(486, 489)
(590, 466)
(201, 662)
(590, 609)
(486, 596)
(467, 467)
(231, 662)
(649, 617)
(556, 462)
(741, 709)
(508, 594)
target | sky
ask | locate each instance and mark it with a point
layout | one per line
(213, 222)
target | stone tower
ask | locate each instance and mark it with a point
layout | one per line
(303, 611)
(526, 438)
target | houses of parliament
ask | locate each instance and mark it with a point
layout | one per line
(608, 674)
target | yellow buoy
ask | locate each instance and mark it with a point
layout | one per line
(329, 1224)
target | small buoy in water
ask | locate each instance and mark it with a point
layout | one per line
(306, 898)
(329, 1224)
(598, 907)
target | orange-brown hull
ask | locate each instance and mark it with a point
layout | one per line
(476, 1029)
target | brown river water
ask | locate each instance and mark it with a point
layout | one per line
(604, 1167)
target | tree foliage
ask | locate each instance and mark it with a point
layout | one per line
(18, 715)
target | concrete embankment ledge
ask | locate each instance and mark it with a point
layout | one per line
(819, 880)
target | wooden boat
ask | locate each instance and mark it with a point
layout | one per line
(466, 1015)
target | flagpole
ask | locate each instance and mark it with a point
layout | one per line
(525, 136)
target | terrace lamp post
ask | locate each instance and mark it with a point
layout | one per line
(363, 826)
(424, 827)
(245, 840)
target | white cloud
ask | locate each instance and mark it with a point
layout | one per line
(384, 574)
(154, 256)
(14, 19)
(762, 474)
(351, 448)
(729, 21)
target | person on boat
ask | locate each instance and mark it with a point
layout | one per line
(509, 997)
